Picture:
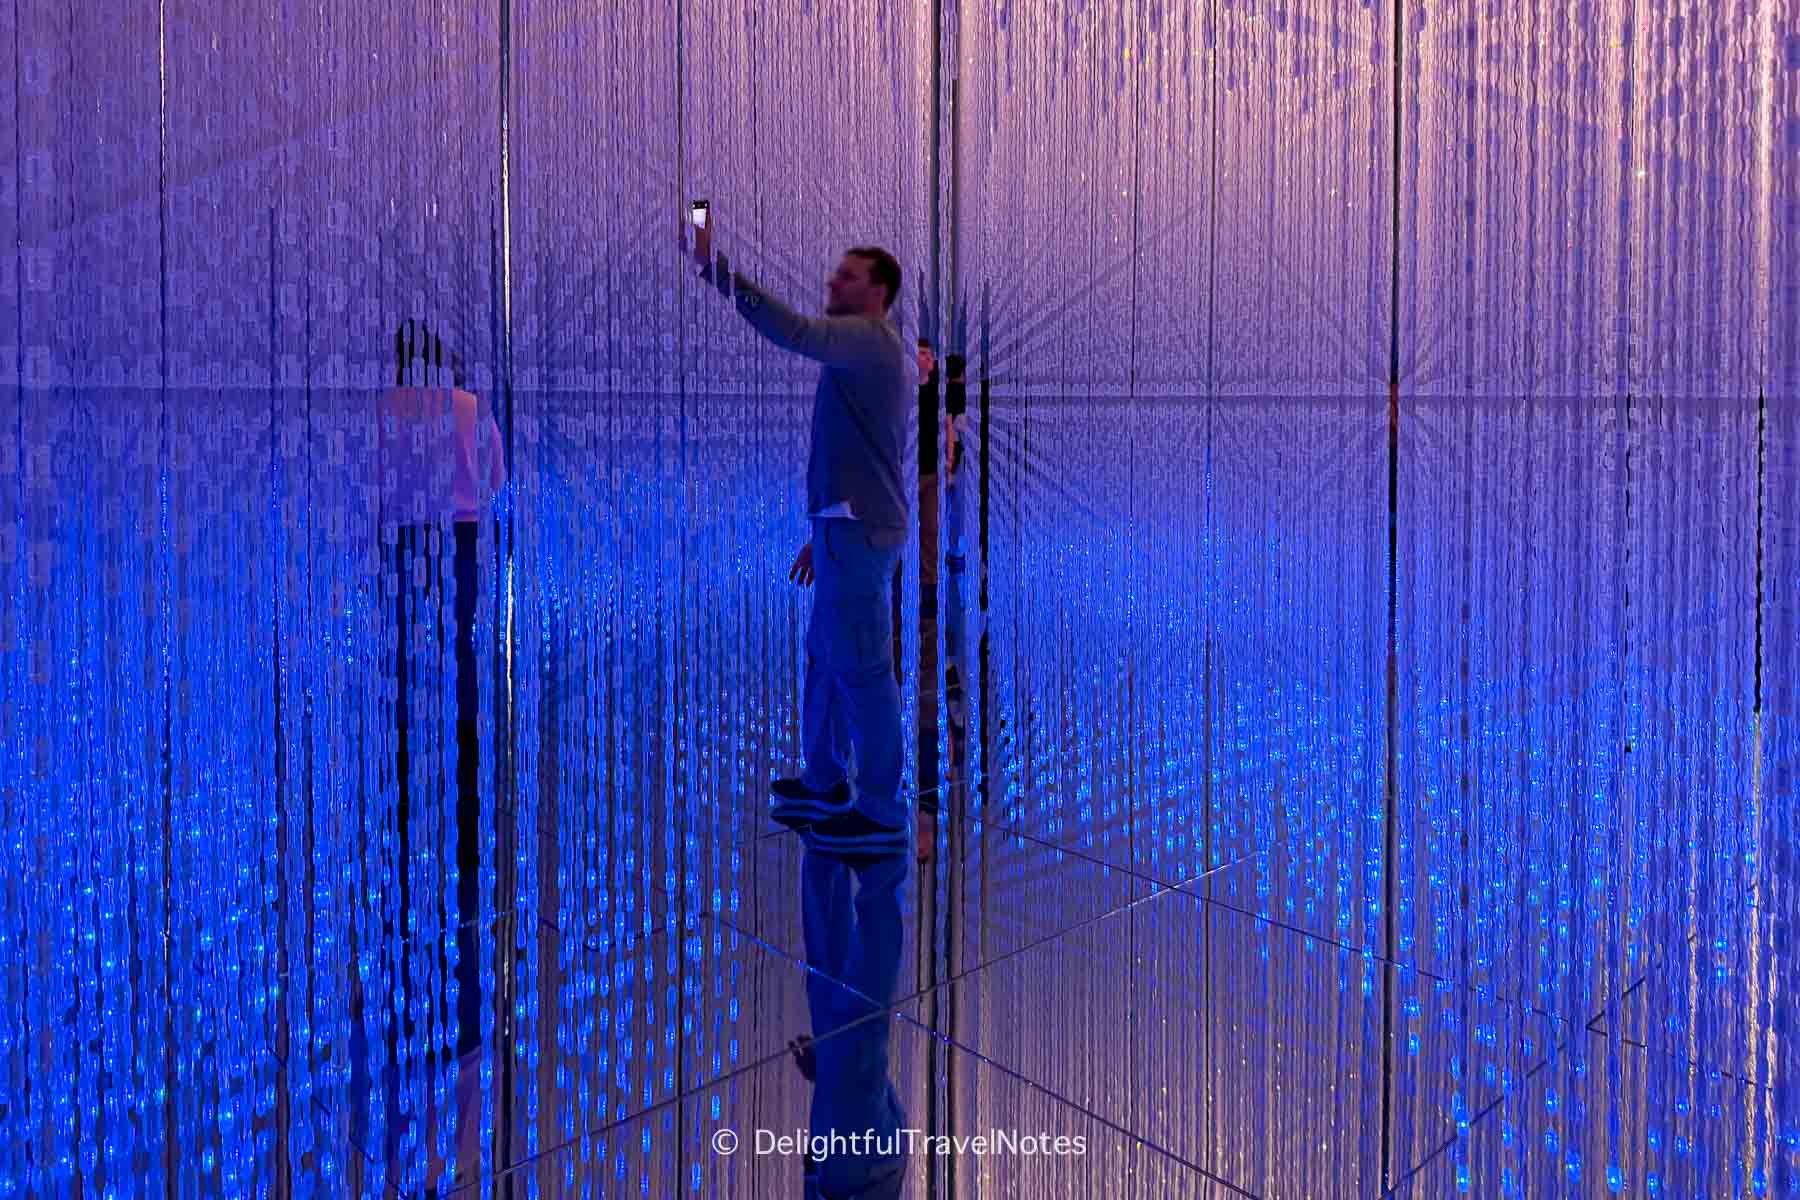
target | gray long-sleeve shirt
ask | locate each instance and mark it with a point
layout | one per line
(859, 410)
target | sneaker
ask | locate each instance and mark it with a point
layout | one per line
(852, 833)
(798, 806)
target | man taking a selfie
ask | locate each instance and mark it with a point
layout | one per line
(856, 502)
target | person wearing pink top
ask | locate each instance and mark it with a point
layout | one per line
(441, 465)
(441, 454)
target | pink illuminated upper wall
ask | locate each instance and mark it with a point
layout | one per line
(1157, 198)
(1588, 201)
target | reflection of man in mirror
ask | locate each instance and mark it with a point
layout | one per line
(959, 487)
(442, 464)
(956, 426)
(927, 363)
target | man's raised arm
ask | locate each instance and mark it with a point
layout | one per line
(835, 341)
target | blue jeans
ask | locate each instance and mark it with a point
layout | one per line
(853, 914)
(956, 512)
(852, 697)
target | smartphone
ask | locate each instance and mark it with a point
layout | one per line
(700, 214)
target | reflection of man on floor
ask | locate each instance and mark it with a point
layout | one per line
(857, 502)
(853, 956)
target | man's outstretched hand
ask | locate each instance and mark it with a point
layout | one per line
(802, 570)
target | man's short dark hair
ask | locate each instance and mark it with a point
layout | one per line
(884, 269)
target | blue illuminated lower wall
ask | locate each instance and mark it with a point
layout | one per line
(1509, 911)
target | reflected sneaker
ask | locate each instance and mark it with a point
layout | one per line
(798, 806)
(804, 1057)
(852, 834)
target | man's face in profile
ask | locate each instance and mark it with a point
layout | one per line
(851, 292)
